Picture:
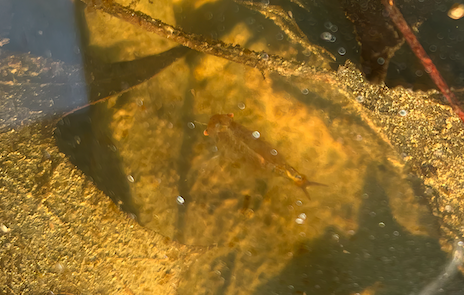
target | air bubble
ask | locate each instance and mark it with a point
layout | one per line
(250, 21)
(190, 125)
(396, 233)
(419, 73)
(274, 152)
(130, 178)
(326, 36)
(333, 39)
(403, 113)
(359, 98)
(305, 91)
(180, 200)
(299, 203)
(342, 51)
(299, 220)
(328, 25)
(264, 56)
(433, 48)
(334, 28)
(77, 139)
(381, 224)
(381, 61)
(279, 36)
(208, 16)
(256, 134)
(302, 216)
(241, 105)
(265, 2)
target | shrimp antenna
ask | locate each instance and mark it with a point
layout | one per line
(201, 123)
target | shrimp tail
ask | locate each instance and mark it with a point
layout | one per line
(304, 183)
(306, 192)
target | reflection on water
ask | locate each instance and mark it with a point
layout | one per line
(366, 232)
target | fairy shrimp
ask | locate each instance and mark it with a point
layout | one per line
(230, 134)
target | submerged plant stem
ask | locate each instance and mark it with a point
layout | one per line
(430, 68)
(200, 43)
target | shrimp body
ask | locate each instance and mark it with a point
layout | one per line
(249, 144)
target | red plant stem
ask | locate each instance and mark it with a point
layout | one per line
(402, 25)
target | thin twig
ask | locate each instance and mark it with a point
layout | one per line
(402, 25)
(235, 53)
(287, 24)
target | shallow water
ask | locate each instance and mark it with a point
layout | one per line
(368, 232)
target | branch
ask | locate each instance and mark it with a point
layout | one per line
(235, 53)
(402, 25)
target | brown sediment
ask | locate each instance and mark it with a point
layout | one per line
(402, 25)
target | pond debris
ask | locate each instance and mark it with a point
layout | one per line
(235, 53)
(286, 22)
(416, 47)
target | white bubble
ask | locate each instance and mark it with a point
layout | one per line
(241, 105)
(77, 139)
(180, 200)
(279, 36)
(341, 51)
(264, 56)
(380, 60)
(191, 125)
(130, 178)
(403, 113)
(359, 98)
(299, 220)
(299, 203)
(305, 91)
(381, 224)
(274, 152)
(326, 36)
(302, 216)
(333, 39)
(256, 134)
(396, 233)
(208, 16)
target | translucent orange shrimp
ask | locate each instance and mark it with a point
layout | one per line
(232, 135)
